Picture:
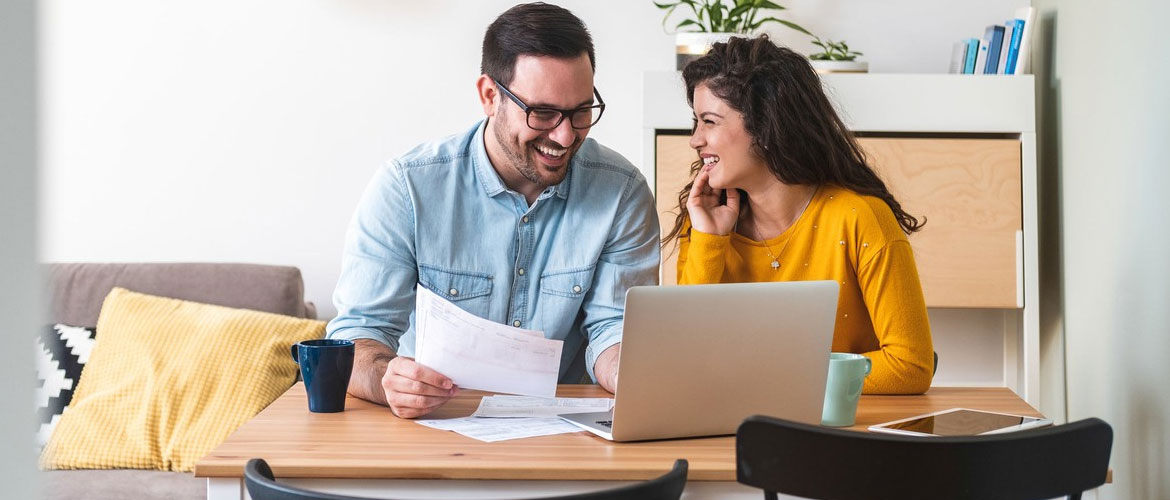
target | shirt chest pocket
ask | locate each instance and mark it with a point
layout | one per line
(469, 290)
(561, 295)
(571, 283)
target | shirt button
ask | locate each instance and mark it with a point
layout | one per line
(520, 271)
(516, 323)
(576, 288)
(524, 219)
(452, 292)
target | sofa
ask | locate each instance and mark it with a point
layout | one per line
(76, 292)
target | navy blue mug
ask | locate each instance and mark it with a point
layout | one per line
(326, 365)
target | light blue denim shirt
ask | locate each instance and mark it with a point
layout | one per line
(440, 217)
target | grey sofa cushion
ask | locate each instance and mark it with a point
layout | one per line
(78, 289)
(121, 484)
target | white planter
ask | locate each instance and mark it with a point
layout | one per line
(840, 66)
(691, 46)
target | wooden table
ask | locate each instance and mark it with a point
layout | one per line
(366, 450)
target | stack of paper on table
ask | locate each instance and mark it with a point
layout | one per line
(499, 429)
(512, 417)
(523, 406)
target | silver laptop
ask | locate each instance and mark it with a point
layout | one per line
(698, 359)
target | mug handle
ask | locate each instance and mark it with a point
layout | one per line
(294, 354)
(856, 392)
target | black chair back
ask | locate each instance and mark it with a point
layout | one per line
(262, 485)
(817, 462)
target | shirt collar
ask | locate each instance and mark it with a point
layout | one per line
(490, 179)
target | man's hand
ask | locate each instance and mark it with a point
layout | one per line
(410, 390)
(413, 390)
(606, 367)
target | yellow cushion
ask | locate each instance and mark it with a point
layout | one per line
(168, 380)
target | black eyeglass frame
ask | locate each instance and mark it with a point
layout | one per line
(600, 107)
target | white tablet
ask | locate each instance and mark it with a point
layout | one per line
(960, 422)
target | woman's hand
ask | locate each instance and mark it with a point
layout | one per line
(706, 213)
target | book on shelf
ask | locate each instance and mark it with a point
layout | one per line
(1027, 15)
(1013, 53)
(958, 57)
(981, 56)
(972, 54)
(1003, 49)
(994, 38)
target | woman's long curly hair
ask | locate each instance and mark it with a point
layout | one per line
(793, 126)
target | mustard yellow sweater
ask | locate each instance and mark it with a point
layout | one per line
(856, 241)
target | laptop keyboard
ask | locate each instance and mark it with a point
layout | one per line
(606, 423)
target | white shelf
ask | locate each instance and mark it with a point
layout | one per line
(935, 103)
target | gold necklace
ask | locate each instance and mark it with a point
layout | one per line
(776, 258)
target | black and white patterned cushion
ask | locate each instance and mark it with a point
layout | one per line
(62, 351)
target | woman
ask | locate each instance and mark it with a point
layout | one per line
(782, 192)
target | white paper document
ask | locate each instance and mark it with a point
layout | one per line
(500, 429)
(479, 354)
(524, 406)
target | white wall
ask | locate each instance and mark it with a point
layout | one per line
(244, 130)
(1105, 120)
(19, 283)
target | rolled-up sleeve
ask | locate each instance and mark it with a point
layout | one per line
(630, 258)
(375, 292)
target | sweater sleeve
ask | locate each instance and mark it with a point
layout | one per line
(702, 257)
(903, 364)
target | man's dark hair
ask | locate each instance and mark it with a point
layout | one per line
(537, 29)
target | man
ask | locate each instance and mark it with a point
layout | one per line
(520, 220)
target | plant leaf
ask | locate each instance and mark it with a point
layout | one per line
(666, 17)
(781, 21)
(690, 22)
(765, 4)
(738, 11)
(794, 26)
(715, 14)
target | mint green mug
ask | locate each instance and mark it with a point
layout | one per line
(847, 374)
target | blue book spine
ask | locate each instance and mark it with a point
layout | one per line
(1014, 48)
(994, 38)
(972, 53)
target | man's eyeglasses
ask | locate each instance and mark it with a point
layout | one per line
(545, 119)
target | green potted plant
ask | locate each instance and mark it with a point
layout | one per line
(836, 57)
(705, 22)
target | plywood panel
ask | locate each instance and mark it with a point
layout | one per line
(970, 192)
(673, 159)
(968, 189)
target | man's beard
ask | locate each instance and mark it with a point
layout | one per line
(524, 161)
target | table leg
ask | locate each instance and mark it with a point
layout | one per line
(225, 488)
